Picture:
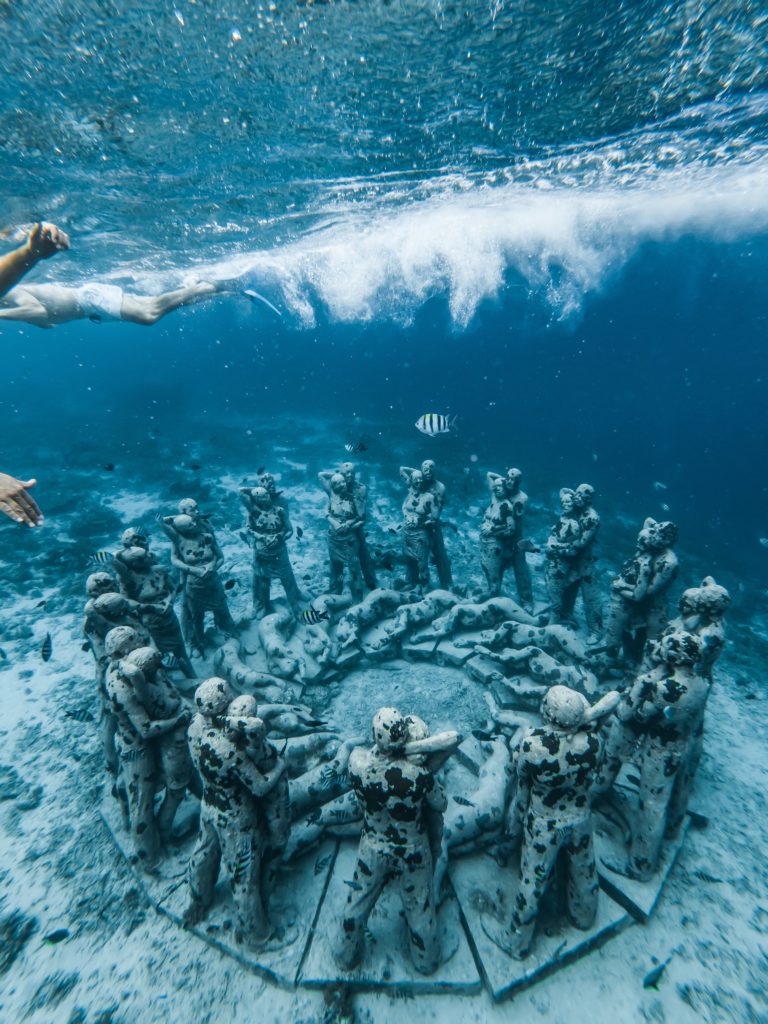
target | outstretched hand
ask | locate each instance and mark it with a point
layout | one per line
(16, 503)
(45, 239)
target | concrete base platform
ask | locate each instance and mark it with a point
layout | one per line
(418, 651)
(298, 893)
(486, 893)
(386, 964)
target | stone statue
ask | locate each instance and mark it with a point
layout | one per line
(359, 493)
(470, 615)
(638, 606)
(145, 581)
(555, 767)
(233, 824)
(95, 628)
(557, 640)
(420, 513)
(435, 527)
(586, 575)
(270, 526)
(541, 667)
(198, 557)
(162, 700)
(374, 607)
(137, 728)
(400, 800)
(701, 611)
(420, 613)
(344, 533)
(501, 534)
(561, 552)
(658, 728)
(133, 537)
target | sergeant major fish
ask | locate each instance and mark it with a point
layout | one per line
(311, 616)
(432, 423)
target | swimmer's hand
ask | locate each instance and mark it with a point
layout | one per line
(45, 240)
(16, 503)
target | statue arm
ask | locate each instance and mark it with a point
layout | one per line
(405, 474)
(324, 476)
(663, 572)
(257, 782)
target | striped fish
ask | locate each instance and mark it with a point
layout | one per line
(47, 649)
(432, 423)
(101, 558)
(312, 617)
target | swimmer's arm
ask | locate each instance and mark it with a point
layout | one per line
(44, 240)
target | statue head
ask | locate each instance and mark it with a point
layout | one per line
(713, 599)
(564, 708)
(348, 471)
(242, 718)
(185, 524)
(261, 497)
(267, 481)
(111, 605)
(583, 495)
(213, 696)
(189, 507)
(499, 487)
(428, 470)
(417, 480)
(390, 730)
(99, 583)
(136, 558)
(146, 659)
(134, 537)
(679, 648)
(338, 484)
(662, 535)
(120, 641)
(567, 499)
(514, 478)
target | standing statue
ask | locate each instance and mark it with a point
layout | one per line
(658, 728)
(586, 575)
(270, 526)
(638, 606)
(197, 555)
(555, 767)
(359, 493)
(402, 805)
(561, 571)
(435, 529)
(232, 820)
(145, 581)
(137, 728)
(420, 512)
(95, 628)
(501, 536)
(701, 611)
(344, 526)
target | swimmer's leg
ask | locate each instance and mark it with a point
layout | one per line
(148, 309)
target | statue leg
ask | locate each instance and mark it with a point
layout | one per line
(371, 873)
(523, 580)
(366, 564)
(192, 623)
(441, 559)
(139, 771)
(583, 886)
(620, 745)
(177, 774)
(539, 853)
(657, 616)
(416, 894)
(261, 593)
(284, 572)
(336, 573)
(681, 793)
(168, 638)
(241, 850)
(616, 622)
(490, 559)
(593, 606)
(202, 872)
(659, 767)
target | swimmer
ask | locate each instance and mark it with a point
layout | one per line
(45, 305)
(44, 240)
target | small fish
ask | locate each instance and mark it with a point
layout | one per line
(463, 801)
(393, 529)
(313, 818)
(132, 755)
(246, 537)
(194, 466)
(42, 604)
(594, 456)
(3, 655)
(170, 661)
(664, 506)
(47, 649)
(243, 861)
(328, 776)
(321, 864)
(764, 541)
(527, 545)
(659, 486)
(311, 616)
(699, 821)
(634, 779)
(432, 423)
(704, 876)
(109, 467)
(353, 885)
(229, 584)
(355, 447)
(652, 978)
(260, 470)
(58, 936)
(80, 715)
(101, 558)
(86, 646)
(299, 533)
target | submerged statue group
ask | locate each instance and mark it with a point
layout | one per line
(272, 779)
